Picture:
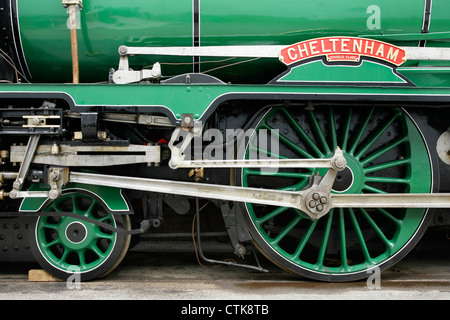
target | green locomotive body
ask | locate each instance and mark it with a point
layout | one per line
(41, 32)
(309, 127)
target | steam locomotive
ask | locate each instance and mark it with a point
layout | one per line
(315, 130)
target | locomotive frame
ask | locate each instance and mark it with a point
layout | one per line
(359, 159)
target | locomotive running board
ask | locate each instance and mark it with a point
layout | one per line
(307, 200)
(263, 51)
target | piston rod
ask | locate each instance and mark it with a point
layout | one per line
(302, 200)
(220, 192)
(403, 200)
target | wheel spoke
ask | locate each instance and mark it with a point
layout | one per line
(48, 225)
(99, 234)
(389, 245)
(380, 152)
(319, 133)
(90, 210)
(75, 205)
(325, 237)
(280, 174)
(388, 180)
(373, 189)
(385, 151)
(346, 130)
(51, 243)
(290, 144)
(375, 136)
(64, 256)
(387, 165)
(55, 207)
(333, 131)
(300, 151)
(342, 240)
(273, 214)
(286, 230)
(97, 251)
(393, 219)
(303, 135)
(304, 240)
(264, 153)
(82, 258)
(303, 178)
(295, 187)
(361, 131)
(255, 150)
(359, 235)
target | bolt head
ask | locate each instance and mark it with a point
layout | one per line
(53, 194)
(339, 163)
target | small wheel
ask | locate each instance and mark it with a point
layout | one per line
(64, 245)
(385, 153)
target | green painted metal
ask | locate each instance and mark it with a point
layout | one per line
(366, 73)
(104, 25)
(411, 36)
(174, 100)
(112, 197)
(302, 244)
(63, 252)
(292, 21)
(427, 76)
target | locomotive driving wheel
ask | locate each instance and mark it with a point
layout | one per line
(64, 245)
(385, 153)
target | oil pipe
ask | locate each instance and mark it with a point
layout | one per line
(72, 7)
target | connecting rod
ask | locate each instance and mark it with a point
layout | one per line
(316, 200)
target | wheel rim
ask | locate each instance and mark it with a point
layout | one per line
(385, 153)
(67, 243)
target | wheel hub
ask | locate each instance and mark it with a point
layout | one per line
(344, 180)
(349, 180)
(76, 232)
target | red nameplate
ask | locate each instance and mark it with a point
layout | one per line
(342, 49)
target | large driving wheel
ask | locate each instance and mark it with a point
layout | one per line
(63, 245)
(385, 153)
